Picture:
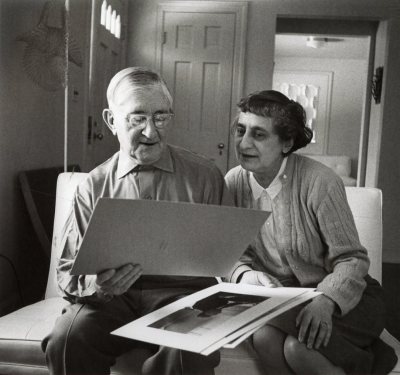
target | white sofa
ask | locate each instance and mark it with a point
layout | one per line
(22, 331)
(341, 164)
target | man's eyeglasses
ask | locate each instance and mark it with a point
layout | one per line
(160, 120)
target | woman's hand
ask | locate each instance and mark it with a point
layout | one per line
(316, 318)
(114, 282)
(259, 278)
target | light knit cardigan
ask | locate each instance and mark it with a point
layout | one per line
(314, 228)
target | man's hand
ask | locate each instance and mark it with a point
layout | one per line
(259, 278)
(316, 318)
(114, 282)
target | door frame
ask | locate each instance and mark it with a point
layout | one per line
(91, 42)
(343, 26)
(239, 9)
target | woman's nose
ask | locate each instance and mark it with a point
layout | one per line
(246, 141)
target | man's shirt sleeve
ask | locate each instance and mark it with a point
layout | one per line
(75, 288)
(216, 191)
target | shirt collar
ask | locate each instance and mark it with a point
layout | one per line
(274, 187)
(126, 164)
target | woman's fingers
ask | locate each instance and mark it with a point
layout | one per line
(312, 335)
(304, 325)
(266, 280)
(328, 333)
(322, 332)
(259, 278)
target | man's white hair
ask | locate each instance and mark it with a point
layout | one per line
(135, 78)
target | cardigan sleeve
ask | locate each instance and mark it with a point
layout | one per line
(235, 187)
(346, 259)
(242, 265)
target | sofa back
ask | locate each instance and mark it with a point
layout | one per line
(341, 164)
(66, 186)
(365, 204)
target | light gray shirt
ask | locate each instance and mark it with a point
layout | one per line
(179, 176)
(263, 199)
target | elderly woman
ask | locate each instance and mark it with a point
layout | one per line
(309, 240)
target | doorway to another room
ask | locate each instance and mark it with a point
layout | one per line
(326, 66)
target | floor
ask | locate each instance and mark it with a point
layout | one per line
(391, 286)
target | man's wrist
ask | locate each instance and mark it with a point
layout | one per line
(103, 296)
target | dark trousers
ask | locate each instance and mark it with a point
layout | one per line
(81, 343)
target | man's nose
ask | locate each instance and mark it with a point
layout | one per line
(150, 131)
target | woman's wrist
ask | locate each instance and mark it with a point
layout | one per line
(329, 302)
(239, 278)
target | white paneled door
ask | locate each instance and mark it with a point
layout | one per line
(197, 59)
(106, 58)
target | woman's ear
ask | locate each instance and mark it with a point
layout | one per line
(287, 146)
(108, 118)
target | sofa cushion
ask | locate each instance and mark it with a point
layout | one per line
(22, 331)
(10, 298)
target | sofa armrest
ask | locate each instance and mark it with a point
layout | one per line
(10, 296)
(349, 181)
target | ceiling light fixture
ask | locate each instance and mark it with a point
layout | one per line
(313, 42)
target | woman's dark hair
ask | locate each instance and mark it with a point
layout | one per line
(288, 117)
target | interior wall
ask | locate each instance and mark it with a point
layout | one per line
(262, 19)
(348, 87)
(389, 165)
(31, 137)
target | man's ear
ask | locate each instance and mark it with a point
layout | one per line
(108, 118)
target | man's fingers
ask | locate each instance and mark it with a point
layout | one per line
(134, 274)
(123, 273)
(105, 276)
(109, 278)
(127, 282)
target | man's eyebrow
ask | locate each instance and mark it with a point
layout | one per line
(141, 112)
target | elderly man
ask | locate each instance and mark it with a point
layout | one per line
(146, 167)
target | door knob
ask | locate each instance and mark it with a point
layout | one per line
(98, 136)
(221, 147)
